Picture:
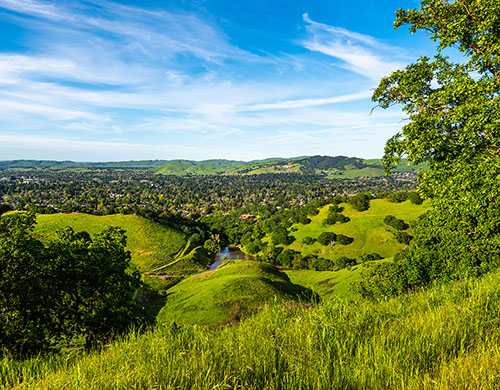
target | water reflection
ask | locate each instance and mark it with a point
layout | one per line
(229, 253)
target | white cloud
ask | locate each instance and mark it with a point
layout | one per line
(359, 53)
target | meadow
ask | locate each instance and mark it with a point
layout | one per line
(370, 233)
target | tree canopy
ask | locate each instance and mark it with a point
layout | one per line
(57, 290)
(453, 124)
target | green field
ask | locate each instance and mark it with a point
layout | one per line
(234, 289)
(366, 227)
(150, 244)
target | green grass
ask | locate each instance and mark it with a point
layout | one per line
(150, 244)
(444, 338)
(366, 227)
(330, 284)
(221, 296)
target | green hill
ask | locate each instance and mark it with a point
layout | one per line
(233, 290)
(368, 229)
(151, 244)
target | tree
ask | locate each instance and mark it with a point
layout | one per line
(360, 202)
(453, 114)
(75, 285)
(326, 238)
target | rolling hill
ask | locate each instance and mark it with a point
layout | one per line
(370, 233)
(233, 290)
(335, 167)
(151, 244)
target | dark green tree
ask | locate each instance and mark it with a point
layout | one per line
(453, 112)
(72, 286)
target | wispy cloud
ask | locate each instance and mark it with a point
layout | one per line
(151, 79)
(359, 53)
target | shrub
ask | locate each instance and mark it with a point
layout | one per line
(308, 240)
(396, 223)
(360, 202)
(326, 238)
(344, 240)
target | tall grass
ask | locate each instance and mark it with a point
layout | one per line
(445, 337)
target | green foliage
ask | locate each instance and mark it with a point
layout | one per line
(360, 202)
(396, 223)
(322, 264)
(344, 240)
(454, 114)
(368, 257)
(403, 237)
(327, 238)
(415, 198)
(287, 257)
(307, 240)
(55, 291)
(344, 262)
(281, 236)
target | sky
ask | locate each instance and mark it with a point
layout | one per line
(102, 80)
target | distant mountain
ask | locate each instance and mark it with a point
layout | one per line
(336, 167)
(140, 164)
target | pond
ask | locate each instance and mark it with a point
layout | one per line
(229, 253)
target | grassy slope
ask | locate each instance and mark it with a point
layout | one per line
(330, 284)
(233, 289)
(366, 227)
(443, 338)
(151, 244)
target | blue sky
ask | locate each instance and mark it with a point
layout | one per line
(103, 80)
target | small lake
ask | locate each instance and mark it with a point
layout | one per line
(229, 253)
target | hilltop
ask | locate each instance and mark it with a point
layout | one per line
(235, 289)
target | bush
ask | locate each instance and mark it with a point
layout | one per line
(344, 240)
(415, 198)
(397, 197)
(368, 257)
(326, 238)
(360, 202)
(396, 223)
(403, 237)
(343, 262)
(322, 264)
(287, 257)
(308, 240)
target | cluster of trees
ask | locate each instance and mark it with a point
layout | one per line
(71, 288)
(334, 215)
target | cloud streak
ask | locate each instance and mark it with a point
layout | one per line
(358, 53)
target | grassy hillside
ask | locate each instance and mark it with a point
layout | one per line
(447, 337)
(224, 295)
(335, 167)
(366, 227)
(151, 244)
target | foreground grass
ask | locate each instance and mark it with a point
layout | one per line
(443, 338)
